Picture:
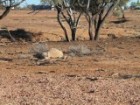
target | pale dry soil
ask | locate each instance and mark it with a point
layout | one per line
(110, 75)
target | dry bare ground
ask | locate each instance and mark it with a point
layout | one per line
(110, 75)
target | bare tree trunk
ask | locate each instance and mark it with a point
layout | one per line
(90, 27)
(8, 4)
(73, 34)
(97, 30)
(5, 13)
(98, 24)
(64, 29)
(61, 24)
(101, 20)
(74, 28)
(73, 22)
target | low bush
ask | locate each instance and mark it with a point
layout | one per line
(38, 50)
(79, 50)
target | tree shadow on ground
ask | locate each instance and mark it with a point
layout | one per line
(119, 21)
(18, 35)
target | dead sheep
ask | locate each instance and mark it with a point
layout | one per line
(53, 53)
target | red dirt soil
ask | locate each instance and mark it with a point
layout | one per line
(109, 76)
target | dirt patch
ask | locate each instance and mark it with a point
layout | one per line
(109, 75)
